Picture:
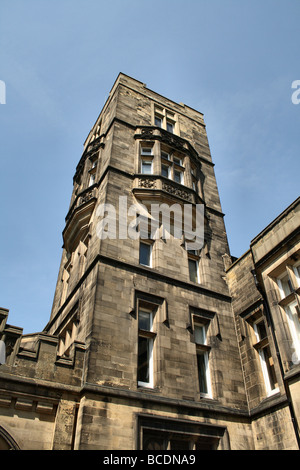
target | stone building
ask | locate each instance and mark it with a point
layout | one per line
(153, 343)
(265, 288)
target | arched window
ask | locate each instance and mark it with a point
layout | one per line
(7, 442)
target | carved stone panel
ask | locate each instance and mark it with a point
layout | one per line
(147, 183)
(174, 190)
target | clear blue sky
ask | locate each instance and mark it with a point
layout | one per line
(233, 60)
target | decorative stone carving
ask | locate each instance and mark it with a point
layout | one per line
(86, 197)
(95, 145)
(177, 192)
(92, 148)
(78, 219)
(146, 133)
(79, 201)
(147, 183)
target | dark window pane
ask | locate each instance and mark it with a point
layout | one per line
(158, 121)
(206, 443)
(146, 151)
(199, 332)
(286, 285)
(170, 126)
(177, 176)
(165, 171)
(146, 168)
(193, 270)
(202, 373)
(144, 320)
(143, 360)
(145, 251)
(176, 444)
(262, 333)
(270, 367)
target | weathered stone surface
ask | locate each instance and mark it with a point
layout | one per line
(74, 385)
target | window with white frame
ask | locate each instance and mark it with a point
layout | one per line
(178, 176)
(165, 170)
(288, 283)
(177, 160)
(146, 167)
(266, 360)
(170, 126)
(194, 177)
(285, 285)
(193, 270)
(146, 160)
(296, 269)
(172, 166)
(293, 316)
(92, 171)
(146, 151)
(145, 254)
(202, 350)
(146, 338)
(165, 156)
(165, 119)
(92, 179)
(158, 119)
(193, 265)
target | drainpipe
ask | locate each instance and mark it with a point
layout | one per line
(286, 387)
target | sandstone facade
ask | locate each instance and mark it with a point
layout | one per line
(150, 345)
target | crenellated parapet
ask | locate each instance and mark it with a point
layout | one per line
(37, 355)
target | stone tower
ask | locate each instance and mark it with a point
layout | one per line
(146, 347)
(155, 318)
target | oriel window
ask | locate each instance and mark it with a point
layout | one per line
(172, 166)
